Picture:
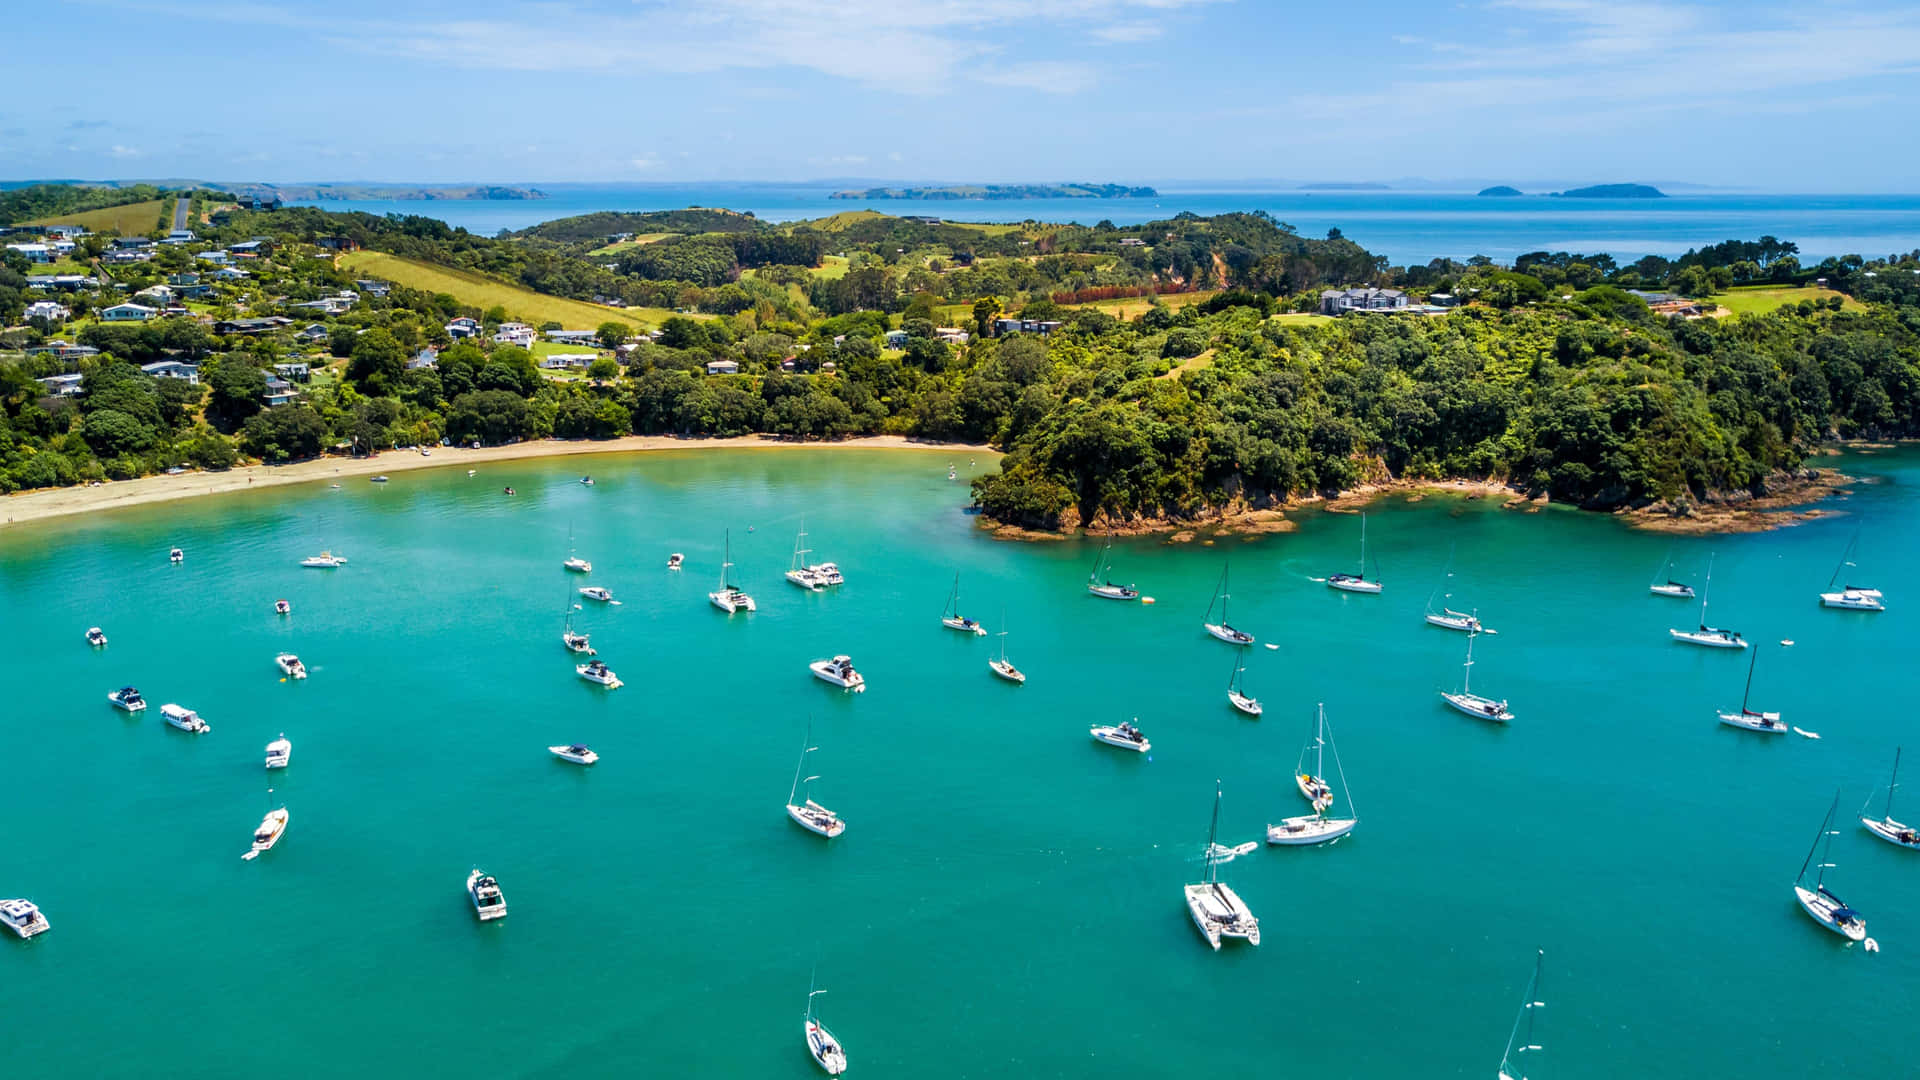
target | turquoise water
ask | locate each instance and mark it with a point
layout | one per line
(1006, 897)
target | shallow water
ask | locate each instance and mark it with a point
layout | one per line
(1007, 892)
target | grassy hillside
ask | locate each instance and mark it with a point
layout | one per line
(1759, 299)
(129, 220)
(484, 292)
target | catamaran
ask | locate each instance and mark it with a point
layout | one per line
(1885, 827)
(1851, 597)
(1520, 1042)
(1820, 903)
(1123, 735)
(23, 917)
(1471, 703)
(1447, 618)
(1237, 695)
(800, 573)
(1217, 911)
(1317, 827)
(951, 618)
(1004, 667)
(806, 813)
(824, 1048)
(1223, 629)
(1768, 722)
(1357, 582)
(1708, 636)
(1664, 585)
(1101, 584)
(728, 598)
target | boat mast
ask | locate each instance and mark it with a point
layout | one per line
(1826, 835)
(1363, 546)
(1706, 590)
(726, 560)
(1744, 694)
(1466, 680)
(1892, 782)
(1319, 745)
(1213, 830)
(798, 550)
(953, 598)
(1528, 1003)
(1003, 635)
(802, 763)
(1846, 557)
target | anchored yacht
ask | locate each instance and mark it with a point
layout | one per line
(1217, 911)
(127, 698)
(675, 561)
(488, 902)
(596, 672)
(595, 592)
(96, 637)
(272, 828)
(1476, 705)
(951, 618)
(279, 752)
(575, 753)
(1357, 582)
(281, 607)
(326, 560)
(22, 917)
(1100, 581)
(184, 718)
(291, 666)
(729, 598)
(839, 671)
(176, 555)
(1123, 735)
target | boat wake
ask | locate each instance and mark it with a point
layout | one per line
(1804, 733)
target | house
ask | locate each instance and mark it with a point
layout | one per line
(573, 337)
(63, 350)
(62, 385)
(67, 232)
(279, 392)
(335, 243)
(896, 339)
(1042, 327)
(127, 313)
(161, 294)
(1441, 299)
(130, 243)
(245, 327)
(1132, 241)
(61, 248)
(253, 248)
(330, 305)
(180, 236)
(35, 253)
(216, 257)
(188, 278)
(952, 335)
(231, 273)
(172, 369)
(425, 358)
(194, 292)
(723, 367)
(1345, 301)
(294, 371)
(374, 288)
(562, 361)
(47, 309)
(62, 282)
(259, 202)
(462, 328)
(127, 255)
(313, 332)
(514, 333)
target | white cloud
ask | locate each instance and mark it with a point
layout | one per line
(1047, 76)
(645, 162)
(124, 152)
(1127, 33)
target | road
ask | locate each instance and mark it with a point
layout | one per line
(180, 208)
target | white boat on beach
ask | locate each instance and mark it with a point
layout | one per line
(1101, 584)
(290, 666)
(1819, 902)
(839, 671)
(951, 618)
(596, 672)
(279, 752)
(23, 917)
(326, 560)
(1003, 667)
(1897, 833)
(1223, 629)
(1317, 827)
(1217, 911)
(127, 698)
(1522, 1041)
(1768, 722)
(1237, 695)
(184, 718)
(1710, 637)
(1851, 597)
(806, 813)
(825, 1050)
(729, 598)
(1357, 583)
(1123, 735)
(489, 903)
(271, 829)
(574, 752)
(1475, 705)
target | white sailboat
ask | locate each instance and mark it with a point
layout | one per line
(1237, 694)
(1664, 585)
(1317, 827)
(1004, 667)
(1709, 636)
(574, 562)
(1356, 582)
(806, 813)
(575, 641)
(825, 1050)
(1851, 597)
(1447, 618)
(1101, 584)
(1471, 703)
(951, 618)
(727, 597)
(1768, 722)
(1223, 629)
(1521, 1042)
(1217, 911)
(1885, 827)
(1820, 904)
(800, 573)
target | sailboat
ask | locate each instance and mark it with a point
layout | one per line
(1851, 597)
(729, 598)
(951, 618)
(1768, 722)
(1820, 903)
(1101, 584)
(799, 573)
(825, 1049)
(575, 641)
(1317, 827)
(1708, 636)
(1886, 828)
(574, 562)
(1004, 667)
(1223, 629)
(806, 813)
(1447, 618)
(1236, 693)
(1356, 582)
(1471, 703)
(1218, 912)
(1520, 1042)
(1664, 585)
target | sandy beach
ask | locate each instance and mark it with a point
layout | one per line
(46, 503)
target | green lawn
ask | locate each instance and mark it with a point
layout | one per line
(1759, 299)
(133, 219)
(629, 245)
(483, 292)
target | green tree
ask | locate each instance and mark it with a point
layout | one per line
(612, 335)
(378, 362)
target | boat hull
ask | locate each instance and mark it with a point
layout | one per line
(825, 1050)
(1709, 639)
(1112, 737)
(1891, 831)
(1854, 600)
(1244, 703)
(1678, 592)
(731, 602)
(1312, 829)
(604, 678)
(828, 671)
(272, 828)
(1764, 723)
(25, 920)
(1821, 910)
(1348, 583)
(1007, 671)
(565, 753)
(965, 626)
(125, 706)
(1228, 634)
(1113, 592)
(804, 579)
(829, 829)
(1478, 707)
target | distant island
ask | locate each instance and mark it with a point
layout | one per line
(1337, 186)
(1611, 191)
(1005, 191)
(338, 192)
(1500, 191)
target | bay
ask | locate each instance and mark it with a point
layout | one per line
(1006, 894)
(1406, 227)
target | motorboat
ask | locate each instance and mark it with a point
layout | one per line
(1217, 911)
(839, 671)
(575, 753)
(381, 479)
(824, 1048)
(951, 618)
(596, 672)
(1710, 637)
(127, 698)
(279, 752)
(184, 718)
(22, 917)
(326, 560)
(488, 902)
(291, 666)
(1819, 902)
(506, 491)
(1123, 735)
(1223, 629)
(272, 828)
(675, 561)
(1236, 693)
(595, 592)
(96, 637)
(1897, 833)
(281, 607)
(176, 555)
(1750, 719)
(578, 565)
(586, 481)
(1475, 705)
(1100, 581)
(729, 598)
(1356, 583)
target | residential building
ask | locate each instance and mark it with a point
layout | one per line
(1132, 241)
(896, 339)
(61, 247)
(180, 236)
(47, 309)
(462, 328)
(723, 367)
(188, 278)
(217, 258)
(573, 337)
(127, 255)
(63, 350)
(67, 232)
(160, 294)
(61, 282)
(329, 305)
(253, 248)
(128, 313)
(35, 253)
(312, 332)
(514, 333)
(130, 243)
(279, 392)
(374, 288)
(1345, 301)
(62, 385)
(294, 371)
(952, 335)
(561, 361)
(425, 358)
(1043, 327)
(247, 327)
(172, 369)
(231, 273)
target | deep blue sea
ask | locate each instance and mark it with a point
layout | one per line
(1407, 227)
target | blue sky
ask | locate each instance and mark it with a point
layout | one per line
(1775, 97)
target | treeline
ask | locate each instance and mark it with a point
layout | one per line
(593, 229)
(50, 200)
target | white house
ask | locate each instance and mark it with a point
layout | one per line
(279, 392)
(1342, 301)
(128, 313)
(514, 333)
(161, 294)
(172, 369)
(462, 328)
(47, 309)
(35, 253)
(723, 367)
(559, 361)
(62, 385)
(952, 335)
(294, 370)
(896, 339)
(230, 273)
(573, 337)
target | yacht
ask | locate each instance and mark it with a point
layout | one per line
(951, 618)
(176, 555)
(1768, 722)
(811, 576)
(291, 666)
(1471, 703)
(272, 828)
(575, 753)
(381, 479)
(488, 902)
(595, 592)
(675, 561)
(1664, 585)
(1820, 903)
(1317, 827)
(127, 698)
(1236, 693)
(586, 481)
(828, 574)
(826, 1050)
(1101, 584)
(839, 671)
(575, 641)
(1851, 597)
(326, 560)
(1123, 735)
(22, 917)
(729, 598)
(1709, 636)
(96, 637)
(1223, 629)
(578, 565)
(1003, 667)
(281, 607)
(279, 752)
(806, 813)
(1886, 828)
(1356, 582)
(1217, 911)
(184, 718)
(596, 672)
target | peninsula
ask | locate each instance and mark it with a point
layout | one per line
(1003, 191)
(1611, 191)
